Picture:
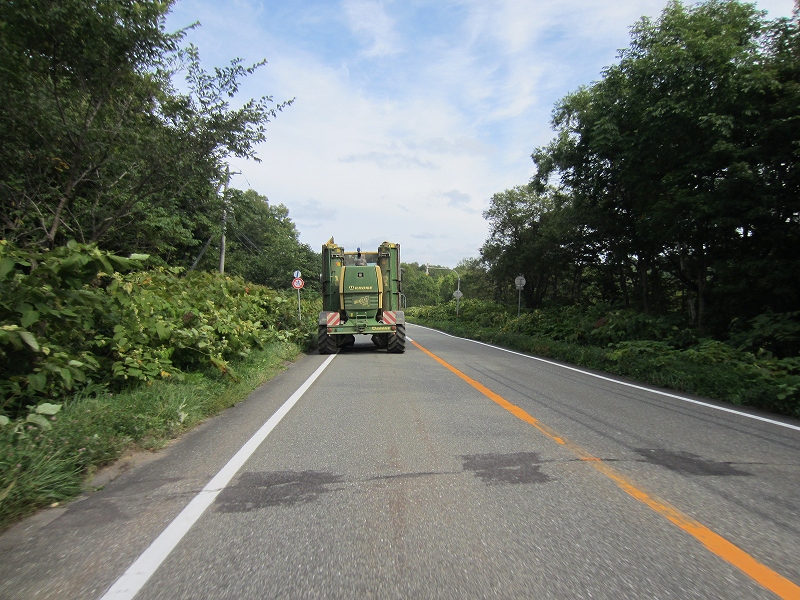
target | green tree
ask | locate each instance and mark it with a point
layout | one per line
(97, 143)
(263, 243)
(419, 286)
(475, 281)
(667, 159)
(531, 233)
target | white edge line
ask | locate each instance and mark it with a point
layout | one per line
(630, 385)
(129, 584)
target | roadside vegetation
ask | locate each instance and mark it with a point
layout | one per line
(99, 355)
(658, 351)
(658, 234)
(45, 464)
(116, 328)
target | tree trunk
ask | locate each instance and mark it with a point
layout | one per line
(623, 284)
(702, 285)
(642, 267)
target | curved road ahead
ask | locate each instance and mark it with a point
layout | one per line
(455, 470)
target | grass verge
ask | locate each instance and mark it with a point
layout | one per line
(40, 466)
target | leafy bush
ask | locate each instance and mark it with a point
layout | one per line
(778, 333)
(49, 306)
(77, 316)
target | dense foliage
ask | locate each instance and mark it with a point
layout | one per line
(263, 244)
(115, 328)
(72, 317)
(672, 186)
(427, 285)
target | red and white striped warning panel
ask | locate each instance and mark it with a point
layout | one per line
(389, 318)
(333, 319)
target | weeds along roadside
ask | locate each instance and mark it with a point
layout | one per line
(617, 343)
(39, 467)
(98, 355)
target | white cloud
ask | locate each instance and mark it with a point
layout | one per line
(356, 168)
(390, 160)
(368, 19)
(458, 200)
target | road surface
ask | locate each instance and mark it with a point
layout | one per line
(455, 470)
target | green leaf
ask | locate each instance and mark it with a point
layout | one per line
(66, 375)
(39, 420)
(29, 339)
(4, 420)
(38, 381)
(29, 316)
(107, 268)
(6, 266)
(139, 256)
(48, 409)
(163, 330)
(10, 334)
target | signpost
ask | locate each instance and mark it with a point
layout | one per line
(520, 283)
(298, 283)
(457, 295)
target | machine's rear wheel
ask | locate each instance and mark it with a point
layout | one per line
(326, 343)
(381, 340)
(397, 340)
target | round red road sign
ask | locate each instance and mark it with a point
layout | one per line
(298, 283)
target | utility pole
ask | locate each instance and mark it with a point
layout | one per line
(224, 221)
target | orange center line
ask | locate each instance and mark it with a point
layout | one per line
(714, 542)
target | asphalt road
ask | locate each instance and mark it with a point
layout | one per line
(396, 476)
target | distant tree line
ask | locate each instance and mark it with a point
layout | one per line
(99, 145)
(431, 285)
(673, 182)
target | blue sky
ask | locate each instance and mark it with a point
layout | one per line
(408, 115)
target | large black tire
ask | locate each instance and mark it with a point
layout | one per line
(326, 343)
(381, 340)
(397, 340)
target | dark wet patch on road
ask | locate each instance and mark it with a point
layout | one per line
(687, 463)
(407, 475)
(278, 488)
(94, 511)
(520, 467)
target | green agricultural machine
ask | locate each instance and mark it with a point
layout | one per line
(361, 296)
